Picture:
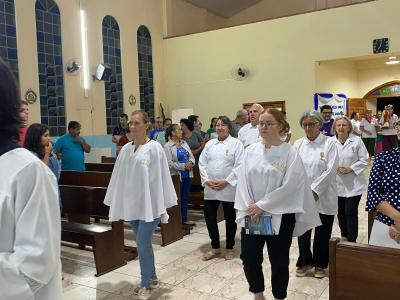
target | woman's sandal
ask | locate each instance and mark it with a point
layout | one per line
(229, 255)
(210, 255)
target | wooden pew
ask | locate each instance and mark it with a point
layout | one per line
(360, 271)
(371, 218)
(103, 167)
(88, 178)
(79, 203)
(170, 232)
(108, 159)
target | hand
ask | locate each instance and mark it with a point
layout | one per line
(316, 197)
(78, 139)
(189, 165)
(254, 211)
(212, 184)
(48, 149)
(344, 170)
(367, 132)
(220, 184)
(394, 234)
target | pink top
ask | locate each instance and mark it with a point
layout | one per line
(22, 133)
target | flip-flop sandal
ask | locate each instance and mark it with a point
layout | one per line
(210, 255)
(229, 255)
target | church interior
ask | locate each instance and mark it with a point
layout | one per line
(92, 60)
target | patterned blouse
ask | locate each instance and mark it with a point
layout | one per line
(384, 183)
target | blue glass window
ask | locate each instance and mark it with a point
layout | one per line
(145, 60)
(114, 99)
(8, 35)
(50, 65)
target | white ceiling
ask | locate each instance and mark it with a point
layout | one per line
(224, 8)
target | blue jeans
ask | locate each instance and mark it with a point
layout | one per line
(185, 189)
(144, 232)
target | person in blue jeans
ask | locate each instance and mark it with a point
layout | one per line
(140, 191)
(180, 161)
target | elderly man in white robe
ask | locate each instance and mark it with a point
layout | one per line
(30, 266)
(249, 133)
(140, 191)
(320, 159)
(271, 186)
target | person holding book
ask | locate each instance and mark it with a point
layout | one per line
(272, 190)
(319, 155)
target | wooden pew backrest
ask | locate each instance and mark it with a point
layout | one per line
(360, 271)
(106, 167)
(88, 178)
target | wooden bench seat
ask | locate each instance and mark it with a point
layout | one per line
(108, 250)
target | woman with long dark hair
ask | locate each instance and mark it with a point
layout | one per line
(38, 141)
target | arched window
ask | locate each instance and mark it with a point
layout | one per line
(145, 60)
(113, 86)
(8, 35)
(50, 65)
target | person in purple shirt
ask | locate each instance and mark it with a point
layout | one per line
(326, 128)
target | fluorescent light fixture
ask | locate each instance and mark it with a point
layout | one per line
(85, 66)
(392, 61)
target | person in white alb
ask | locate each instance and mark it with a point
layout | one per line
(368, 127)
(249, 133)
(271, 185)
(140, 191)
(218, 165)
(353, 160)
(30, 226)
(320, 160)
(389, 134)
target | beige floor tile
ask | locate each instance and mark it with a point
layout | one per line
(204, 283)
(77, 273)
(87, 293)
(236, 289)
(226, 269)
(308, 285)
(116, 283)
(174, 275)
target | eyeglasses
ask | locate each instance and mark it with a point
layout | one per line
(304, 125)
(268, 124)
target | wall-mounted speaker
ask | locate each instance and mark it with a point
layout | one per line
(103, 72)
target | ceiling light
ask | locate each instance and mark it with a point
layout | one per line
(392, 61)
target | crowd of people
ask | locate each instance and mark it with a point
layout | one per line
(274, 190)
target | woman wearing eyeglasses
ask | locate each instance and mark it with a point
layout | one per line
(320, 160)
(274, 204)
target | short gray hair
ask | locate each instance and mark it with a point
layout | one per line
(259, 106)
(341, 118)
(241, 112)
(312, 114)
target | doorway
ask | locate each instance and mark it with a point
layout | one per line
(382, 102)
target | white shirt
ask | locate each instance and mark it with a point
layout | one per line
(274, 179)
(352, 154)
(140, 187)
(356, 126)
(220, 160)
(371, 127)
(30, 229)
(389, 131)
(320, 160)
(249, 134)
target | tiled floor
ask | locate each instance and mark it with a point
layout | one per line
(183, 274)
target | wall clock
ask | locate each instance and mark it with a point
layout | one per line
(380, 45)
